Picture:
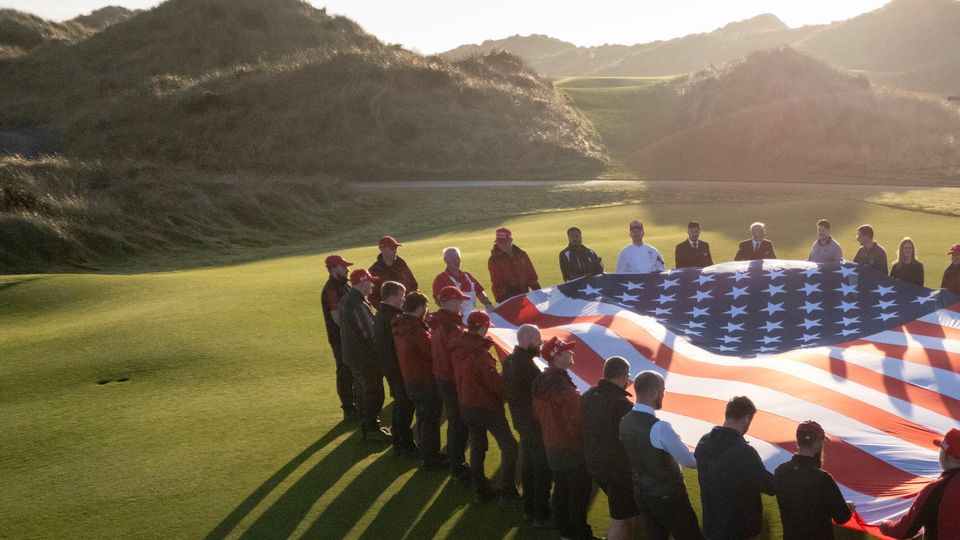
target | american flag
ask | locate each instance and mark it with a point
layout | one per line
(874, 360)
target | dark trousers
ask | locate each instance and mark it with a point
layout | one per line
(666, 516)
(535, 476)
(371, 403)
(400, 424)
(429, 408)
(571, 496)
(480, 422)
(457, 432)
(346, 385)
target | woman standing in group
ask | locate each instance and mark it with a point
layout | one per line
(908, 268)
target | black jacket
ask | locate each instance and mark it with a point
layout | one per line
(333, 292)
(602, 407)
(519, 372)
(383, 339)
(910, 273)
(687, 257)
(745, 251)
(356, 332)
(579, 261)
(808, 499)
(732, 476)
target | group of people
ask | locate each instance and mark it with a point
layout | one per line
(439, 365)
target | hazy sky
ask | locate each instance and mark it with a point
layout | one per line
(437, 25)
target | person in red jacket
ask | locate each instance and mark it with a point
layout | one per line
(511, 272)
(480, 392)
(445, 330)
(935, 508)
(390, 267)
(411, 338)
(556, 405)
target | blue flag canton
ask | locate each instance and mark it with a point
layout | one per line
(764, 307)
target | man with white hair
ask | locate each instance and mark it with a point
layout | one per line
(757, 246)
(468, 285)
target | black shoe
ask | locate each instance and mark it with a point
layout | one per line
(543, 523)
(350, 414)
(509, 498)
(483, 495)
(461, 475)
(381, 435)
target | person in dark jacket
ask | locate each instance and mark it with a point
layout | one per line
(390, 267)
(511, 272)
(519, 372)
(656, 453)
(480, 394)
(693, 252)
(951, 276)
(870, 253)
(732, 476)
(602, 408)
(907, 267)
(935, 508)
(411, 339)
(577, 260)
(392, 294)
(757, 246)
(333, 291)
(360, 355)
(808, 497)
(445, 329)
(556, 406)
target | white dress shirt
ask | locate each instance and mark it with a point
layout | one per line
(663, 436)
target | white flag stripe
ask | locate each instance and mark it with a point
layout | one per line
(928, 377)
(913, 459)
(943, 317)
(913, 340)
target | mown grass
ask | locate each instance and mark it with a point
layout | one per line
(226, 425)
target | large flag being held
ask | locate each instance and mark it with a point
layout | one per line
(874, 360)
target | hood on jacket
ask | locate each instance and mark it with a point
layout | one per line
(406, 324)
(469, 341)
(498, 253)
(552, 380)
(719, 440)
(444, 317)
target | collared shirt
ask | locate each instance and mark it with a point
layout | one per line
(825, 252)
(663, 437)
(636, 259)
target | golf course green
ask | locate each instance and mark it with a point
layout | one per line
(201, 402)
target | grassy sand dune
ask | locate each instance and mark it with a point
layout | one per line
(201, 402)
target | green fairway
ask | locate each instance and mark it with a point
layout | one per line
(201, 403)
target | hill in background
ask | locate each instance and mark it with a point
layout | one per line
(205, 124)
(782, 114)
(911, 44)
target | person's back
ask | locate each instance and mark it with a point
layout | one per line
(732, 476)
(808, 497)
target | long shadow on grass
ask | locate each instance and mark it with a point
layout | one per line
(298, 498)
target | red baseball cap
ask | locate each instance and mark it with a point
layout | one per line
(389, 242)
(809, 431)
(550, 349)
(504, 235)
(478, 319)
(954, 249)
(451, 292)
(636, 224)
(950, 443)
(334, 261)
(360, 275)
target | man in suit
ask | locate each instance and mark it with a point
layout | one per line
(693, 252)
(756, 247)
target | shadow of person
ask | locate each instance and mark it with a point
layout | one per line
(247, 505)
